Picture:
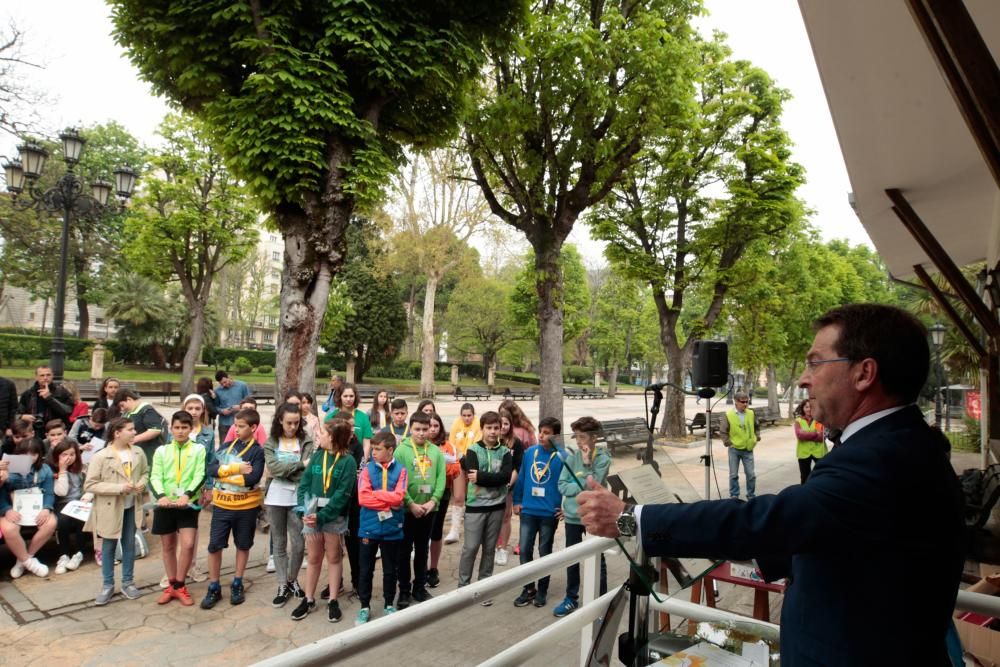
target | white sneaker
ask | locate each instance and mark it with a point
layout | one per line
(36, 567)
(165, 581)
(501, 557)
(270, 564)
(451, 537)
(75, 561)
(17, 570)
(62, 564)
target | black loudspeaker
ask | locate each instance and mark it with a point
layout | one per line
(710, 364)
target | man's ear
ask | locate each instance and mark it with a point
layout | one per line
(865, 374)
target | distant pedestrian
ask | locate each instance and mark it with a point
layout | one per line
(228, 396)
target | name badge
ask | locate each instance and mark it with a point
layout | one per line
(322, 502)
(178, 492)
(538, 491)
(425, 488)
(384, 515)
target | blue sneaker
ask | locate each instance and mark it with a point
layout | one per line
(362, 616)
(389, 609)
(566, 607)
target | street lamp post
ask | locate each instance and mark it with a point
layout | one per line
(937, 340)
(68, 198)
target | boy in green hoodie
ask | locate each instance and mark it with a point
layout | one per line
(425, 470)
(488, 466)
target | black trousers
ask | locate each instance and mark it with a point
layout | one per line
(416, 538)
(70, 533)
(806, 466)
(367, 550)
(351, 539)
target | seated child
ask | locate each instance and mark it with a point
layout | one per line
(65, 461)
(381, 489)
(236, 494)
(34, 488)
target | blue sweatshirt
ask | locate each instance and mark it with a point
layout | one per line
(537, 488)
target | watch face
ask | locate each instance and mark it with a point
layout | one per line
(626, 523)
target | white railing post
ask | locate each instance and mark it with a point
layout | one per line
(590, 577)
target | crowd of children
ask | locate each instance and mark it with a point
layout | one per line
(376, 485)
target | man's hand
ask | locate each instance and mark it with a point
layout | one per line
(28, 418)
(43, 391)
(599, 510)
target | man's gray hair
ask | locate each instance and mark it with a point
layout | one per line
(741, 396)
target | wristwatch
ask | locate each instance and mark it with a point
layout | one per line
(627, 526)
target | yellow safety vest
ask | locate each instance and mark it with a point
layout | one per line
(743, 436)
(806, 448)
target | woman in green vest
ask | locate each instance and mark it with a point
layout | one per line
(811, 445)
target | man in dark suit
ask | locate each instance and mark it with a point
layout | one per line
(872, 542)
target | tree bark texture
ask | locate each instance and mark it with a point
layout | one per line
(429, 349)
(193, 349)
(550, 327)
(613, 381)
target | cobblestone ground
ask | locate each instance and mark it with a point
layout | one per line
(55, 622)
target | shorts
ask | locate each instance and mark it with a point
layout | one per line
(241, 523)
(336, 527)
(167, 520)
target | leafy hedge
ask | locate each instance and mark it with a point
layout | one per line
(526, 378)
(25, 347)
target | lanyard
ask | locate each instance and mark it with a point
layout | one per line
(534, 467)
(328, 475)
(406, 430)
(385, 477)
(234, 443)
(126, 461)
(420, 462)
(180, 461)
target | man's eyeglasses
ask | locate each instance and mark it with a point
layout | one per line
(813, 363)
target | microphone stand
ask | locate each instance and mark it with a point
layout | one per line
(708, 393)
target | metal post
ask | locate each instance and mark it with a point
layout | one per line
(937, 381)
(58, 341)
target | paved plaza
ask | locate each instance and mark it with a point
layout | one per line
(55, 622)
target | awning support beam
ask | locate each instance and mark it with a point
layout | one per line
(945, 265)
(969, 69)
(950, 311)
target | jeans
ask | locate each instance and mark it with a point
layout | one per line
(735, 456)
(574, 535)
(286, 538)
(416, 537)
(367, 548)
(544, 527)
(482, 530)
(109, 545)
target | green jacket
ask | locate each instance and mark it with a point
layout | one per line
(343, 474)
(428, 481)
(191, 460)
(573, 465)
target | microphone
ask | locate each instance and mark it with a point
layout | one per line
(659, 386)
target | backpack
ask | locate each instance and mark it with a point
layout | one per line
(141, 547)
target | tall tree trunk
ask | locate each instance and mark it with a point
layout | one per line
(313, 254)
(193, 347)
(613, 381)
(791, 390)
(429, 349)
(410, 307)
(548, 284)
(772, 387)
(83, 312)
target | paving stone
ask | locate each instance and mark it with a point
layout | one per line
(22, 605)
(30, 616)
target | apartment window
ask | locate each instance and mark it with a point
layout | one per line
(31, 316)
(275, 275)
(100, 320)
(276, 255)
(268, 336)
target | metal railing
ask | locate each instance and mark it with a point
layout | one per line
(349, 643)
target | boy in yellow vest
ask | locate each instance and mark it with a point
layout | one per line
(739, 433)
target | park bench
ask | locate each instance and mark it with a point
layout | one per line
(593, 392)
(367, 392)
(767, 416)
(982, 491)
(698, 422)
(574, 392)
(520, 394)
(91, 391)
(262, 392)
(466, 394)
(624, 433)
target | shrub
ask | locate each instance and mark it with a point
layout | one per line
(242, 365)
(264, 370)
(322, 373)
(527, 378)
(578, 374)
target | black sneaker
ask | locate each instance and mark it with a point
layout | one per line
(540, 599)
(296, 589)
(284, 593)
(305, 608)
(211, 597)
(333, 612)
(403, 601)
(433, 578)
(237, 595)
(525, 598)
(325, 593)
(421, 595)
